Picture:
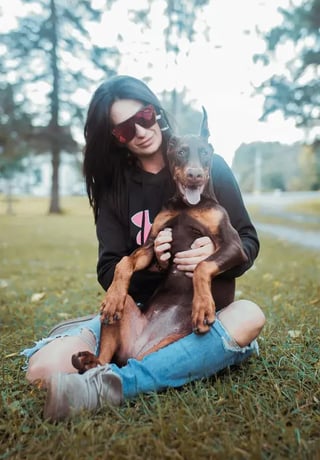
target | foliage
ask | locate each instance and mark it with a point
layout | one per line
(309, 162)
(51, 48)
(296, 93)
(179, 32)
(15, 129)
(189, 119)
(266, 409)
(279, 166)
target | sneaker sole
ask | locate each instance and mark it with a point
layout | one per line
(56, 406)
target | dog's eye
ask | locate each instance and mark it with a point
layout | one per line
(204, 152)
(181, 153)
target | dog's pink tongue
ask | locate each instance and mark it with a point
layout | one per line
(193, 195)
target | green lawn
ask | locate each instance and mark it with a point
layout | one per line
(267, 409)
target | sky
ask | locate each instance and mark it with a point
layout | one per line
(218, 73)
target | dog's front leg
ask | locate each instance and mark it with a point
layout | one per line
(203, 305)
(113, 304)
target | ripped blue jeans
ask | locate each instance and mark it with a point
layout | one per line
(188, 359)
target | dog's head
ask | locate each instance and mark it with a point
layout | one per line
(189, 159)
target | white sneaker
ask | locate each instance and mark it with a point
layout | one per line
(69, 394)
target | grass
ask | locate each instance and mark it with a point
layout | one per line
(269, 408)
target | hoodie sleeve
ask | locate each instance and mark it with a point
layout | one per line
(229, 196)
(114, 243)
(113, 240)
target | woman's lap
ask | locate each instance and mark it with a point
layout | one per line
(230, 346)
(92, 324)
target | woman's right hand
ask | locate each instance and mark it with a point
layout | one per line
(162, 246)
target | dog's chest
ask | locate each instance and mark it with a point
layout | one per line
(189, 225)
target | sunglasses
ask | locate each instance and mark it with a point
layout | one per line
(146, 117)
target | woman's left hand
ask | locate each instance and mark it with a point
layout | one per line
(187, 261)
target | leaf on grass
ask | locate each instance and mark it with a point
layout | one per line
(63, 315)
(276, 297)
(277, 283)
(11, 355)
(294, 333)
(37, 296)
(314, 301)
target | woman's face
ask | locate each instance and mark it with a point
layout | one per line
(147, 141)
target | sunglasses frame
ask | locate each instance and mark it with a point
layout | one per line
(124, 132)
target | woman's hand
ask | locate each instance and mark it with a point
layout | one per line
(162, 246)
(187, 261)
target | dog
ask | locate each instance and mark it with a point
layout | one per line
(181, 304)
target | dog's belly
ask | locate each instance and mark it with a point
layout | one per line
(165, 323)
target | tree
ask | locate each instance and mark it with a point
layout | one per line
(296, 93)
(181, 15)
(189, 120)
(309, 161)
(51, 46)
(278, 166)
(15, 129)
(179, 33)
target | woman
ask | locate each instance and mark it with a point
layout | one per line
(128, 181)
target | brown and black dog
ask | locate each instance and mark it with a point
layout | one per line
(181, 304)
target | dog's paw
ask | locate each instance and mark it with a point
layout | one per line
(111, 308)
(84, 360)
(203, 315)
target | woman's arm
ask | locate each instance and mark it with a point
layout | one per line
(113, 242)
(229, 196)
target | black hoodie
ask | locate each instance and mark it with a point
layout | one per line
(145, 195)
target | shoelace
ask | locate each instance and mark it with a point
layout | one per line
(96, 379)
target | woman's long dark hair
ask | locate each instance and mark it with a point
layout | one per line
(105, 162)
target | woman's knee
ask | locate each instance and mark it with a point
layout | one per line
(37, 371)
(251, 313)
(244, 320)
(56, 357)
(41, 368)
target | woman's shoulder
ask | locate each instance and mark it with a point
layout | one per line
(219, 166)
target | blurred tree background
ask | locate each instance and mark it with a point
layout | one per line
(296, 94)
(50, 65)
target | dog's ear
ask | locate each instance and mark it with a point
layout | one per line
(172, 143)
(204, 129)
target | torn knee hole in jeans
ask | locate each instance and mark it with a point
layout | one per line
(231, 345)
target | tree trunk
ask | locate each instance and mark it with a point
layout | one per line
(55, 106)
(9, 198)
(55, 198)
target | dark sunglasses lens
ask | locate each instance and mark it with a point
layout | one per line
(145, 117)
(126, 131)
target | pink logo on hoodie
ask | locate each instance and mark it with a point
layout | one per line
(145, 226)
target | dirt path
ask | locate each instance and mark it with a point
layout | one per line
(309, 239)
(276, 205)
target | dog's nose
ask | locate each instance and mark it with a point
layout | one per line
(195, 173)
